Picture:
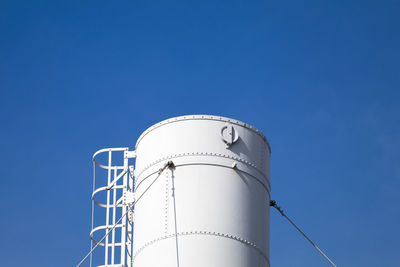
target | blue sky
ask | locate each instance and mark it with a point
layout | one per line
(319, 78)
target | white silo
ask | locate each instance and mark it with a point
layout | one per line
(210, 207)
(200, 198)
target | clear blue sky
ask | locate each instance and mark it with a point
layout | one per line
(321, 79)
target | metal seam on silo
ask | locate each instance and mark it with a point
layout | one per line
(218, 234)
(199, 154)
(266, 187)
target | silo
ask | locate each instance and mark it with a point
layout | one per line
(202, 190)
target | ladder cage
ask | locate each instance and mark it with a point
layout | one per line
(112, 217)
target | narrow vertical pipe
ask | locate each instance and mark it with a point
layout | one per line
(114, 209)
(108, 206)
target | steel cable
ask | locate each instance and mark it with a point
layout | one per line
(273, 204)
(168, 164)
(176, 224)
(98, 243)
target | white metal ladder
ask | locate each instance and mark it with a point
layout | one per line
(115, 197)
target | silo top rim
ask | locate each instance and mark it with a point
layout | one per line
(202, 117)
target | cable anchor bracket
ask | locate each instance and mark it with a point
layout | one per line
(128, 198)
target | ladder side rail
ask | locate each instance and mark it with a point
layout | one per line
(123, 229)
(130, 218)
(114, 209)
(108, 207)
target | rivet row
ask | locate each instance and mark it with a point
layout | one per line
(197, 154)
(233, 237)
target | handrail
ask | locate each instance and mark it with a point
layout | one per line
(101, 227)
(103, 188)
(108, 150)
